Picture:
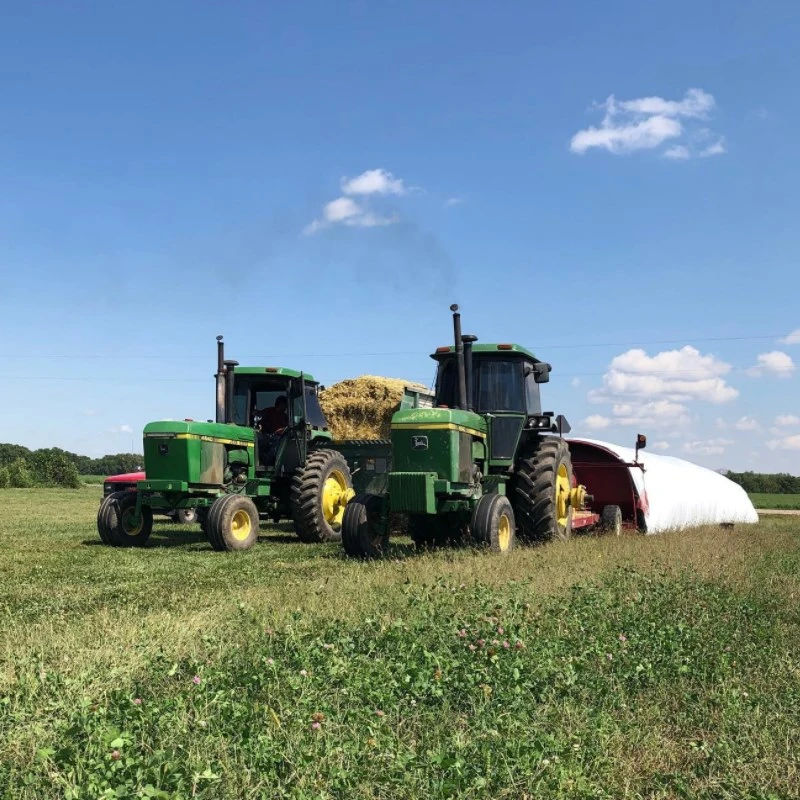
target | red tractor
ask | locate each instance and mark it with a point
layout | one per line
(127, 482)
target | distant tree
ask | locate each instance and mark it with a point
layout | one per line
(5, 478)
(19, 476)
(9, 453)
(54, 467)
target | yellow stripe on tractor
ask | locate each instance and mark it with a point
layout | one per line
(436, 426)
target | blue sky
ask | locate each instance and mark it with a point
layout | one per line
(319, 181)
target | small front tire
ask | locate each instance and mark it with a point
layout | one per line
(232, 523)
(364, 534)
(493, 523)
(116, 521)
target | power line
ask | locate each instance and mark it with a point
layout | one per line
(385, 354)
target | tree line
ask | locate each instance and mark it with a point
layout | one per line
(23, 468)
(775, 483)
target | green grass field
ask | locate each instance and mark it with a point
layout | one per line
(632, 667)
(782, 501)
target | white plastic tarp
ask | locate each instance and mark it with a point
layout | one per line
(681, 494)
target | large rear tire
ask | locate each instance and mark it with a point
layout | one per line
(115, 521)
(232, 523)
(363, 534)
(540, 492)
(319, 494)
(493, 523)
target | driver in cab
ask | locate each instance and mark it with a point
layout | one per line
(274, 419)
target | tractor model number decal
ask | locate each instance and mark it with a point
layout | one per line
(419, 442)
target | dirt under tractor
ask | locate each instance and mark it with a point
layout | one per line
(485, 462)
(269, 454)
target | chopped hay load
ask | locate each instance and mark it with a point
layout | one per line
(362, 408)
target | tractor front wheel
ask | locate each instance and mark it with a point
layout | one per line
(320, 491)
(117, 523)
(540, 492)
(232, 523)
(493, 523)
(363, 533)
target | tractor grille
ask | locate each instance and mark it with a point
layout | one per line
(412, 492)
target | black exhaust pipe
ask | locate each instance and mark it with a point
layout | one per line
(462, 378)
(229, 369)
(220, 378)
(468, 339)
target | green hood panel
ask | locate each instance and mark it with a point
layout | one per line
(452, 418)
(216, 431)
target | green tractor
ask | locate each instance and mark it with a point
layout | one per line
(268, 453)
(482, 462)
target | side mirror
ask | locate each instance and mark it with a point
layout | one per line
(562, 426)
(641, 443)
(542, 372)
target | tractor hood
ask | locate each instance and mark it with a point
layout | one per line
(439, 419)
(434, 443)
(189, 429)
(180, 455)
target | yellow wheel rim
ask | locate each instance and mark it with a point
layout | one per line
(131, 530)
(504, 533)
(335, 495)
(241, 525)
(563, 490)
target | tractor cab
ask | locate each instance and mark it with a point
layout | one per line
(282, 406)
(502, 386)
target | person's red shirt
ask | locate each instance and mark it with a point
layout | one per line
(274, 419)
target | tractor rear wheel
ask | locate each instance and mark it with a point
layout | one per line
(493, 523)
(540, 492)
(232, 523)
(116, 521)
(320, 491)
(363, 535)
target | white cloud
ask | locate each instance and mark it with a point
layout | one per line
(774, 363)
(716, 149)
(696, 103)
(645, 123)
(121, 429)
(788, 443)
(373, 181)
(655, 414)
(679, 152)
(707, 447)
(346, 211)
(90, 412)
(660, 445)
(747, 424)
(792, 338)
(676, 375)
(453, 201)
(575, 383)
(720, 424)
(596, 422)
(787, 420)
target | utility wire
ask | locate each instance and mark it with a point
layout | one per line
(276, 356)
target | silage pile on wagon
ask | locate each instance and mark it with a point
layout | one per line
(362, 408)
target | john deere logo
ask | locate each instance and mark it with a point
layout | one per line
(163, 449)
(419, 442)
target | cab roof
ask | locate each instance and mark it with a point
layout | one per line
(493, 349)
(272, 372)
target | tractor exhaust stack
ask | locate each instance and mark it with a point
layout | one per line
(468, 339)
(229, 368)
(462, 378)
(220, 378)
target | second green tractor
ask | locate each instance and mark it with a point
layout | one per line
(484, 463)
